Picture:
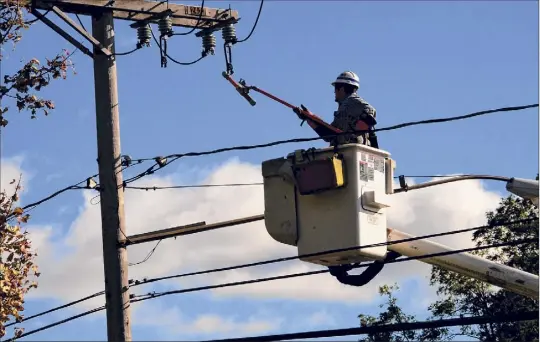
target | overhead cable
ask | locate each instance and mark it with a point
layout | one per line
(297, 257)
(141, 298)
(52, 325)
(196, 24)
(388, 328)
(451, 178)
(133, 283)
(147, 188)
(67, 305)
(254, 25)
(153, 295)
(163, 51)
(33, 205)
(173, 157)
(77, 186)
(148, 256)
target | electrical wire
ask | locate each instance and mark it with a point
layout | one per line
(52, 325)
(387, 328)
(33, 205)
(80, 22)
(134, 283)
(298, 257)
(169, 57)
(76, 186)
(175, 157)
(254, 25)
(153, 295)
(451, 178)
(259, 280)
(114, 54)
(196, 24)
(127, 52)
(147, 188)
(147, 256)
(67, 305)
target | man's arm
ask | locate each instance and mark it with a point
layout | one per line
(322, 128)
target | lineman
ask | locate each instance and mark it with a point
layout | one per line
(353, 113)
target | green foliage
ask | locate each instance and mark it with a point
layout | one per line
(395, 315)
(461, 295)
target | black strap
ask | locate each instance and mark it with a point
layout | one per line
(340, 272)
(373, 139)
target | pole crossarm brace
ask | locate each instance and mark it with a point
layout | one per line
(81, 31)
(146, 11)
(62, 33)
(193, 228)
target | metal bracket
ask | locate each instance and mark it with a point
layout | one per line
(61, 32)
(81, 31)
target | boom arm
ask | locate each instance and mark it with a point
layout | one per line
(470, 265)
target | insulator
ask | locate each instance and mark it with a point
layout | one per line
(144, 34)
(165, 26)
(229, 34)
(209, 43)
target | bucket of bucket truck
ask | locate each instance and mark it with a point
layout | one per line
(327, 199)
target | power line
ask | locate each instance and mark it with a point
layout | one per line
(254, 25)
(163, 51)
(75, 186)
(114, 54)
(174, 157)
(297, 257)
(127, 52)
(451, 178)
(387, 328)
(148, 256)
(134, 283)
(52, 325)
(33, 205)
(196, 24)
(57, 308)
(141, 298)
(188, 186)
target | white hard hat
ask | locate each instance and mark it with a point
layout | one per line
(347, 77)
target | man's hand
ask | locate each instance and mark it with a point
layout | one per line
(299, 112)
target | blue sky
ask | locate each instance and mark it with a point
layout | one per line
(416, 60)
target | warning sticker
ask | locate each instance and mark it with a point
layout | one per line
(371, 173)
(363, 172)
(379, 164)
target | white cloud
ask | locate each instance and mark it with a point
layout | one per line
(11, 169)
(77, 257)
(172, 323)
(320, 318)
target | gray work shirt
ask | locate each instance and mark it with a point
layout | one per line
(350, 110)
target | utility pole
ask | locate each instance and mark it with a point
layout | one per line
(110, 179)
(103, 13)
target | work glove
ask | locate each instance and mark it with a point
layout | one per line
(301, 113)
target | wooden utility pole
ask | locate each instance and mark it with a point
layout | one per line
(113, 224)
(110, 179)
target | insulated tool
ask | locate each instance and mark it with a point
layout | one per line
(323, 128)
